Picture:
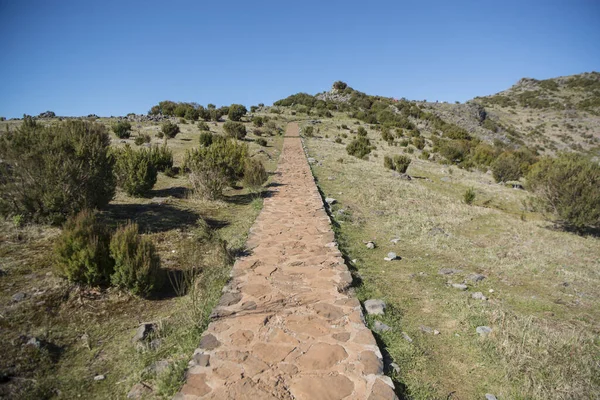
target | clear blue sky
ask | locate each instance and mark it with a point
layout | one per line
(115, 57)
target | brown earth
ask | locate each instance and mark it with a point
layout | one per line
(285, 327)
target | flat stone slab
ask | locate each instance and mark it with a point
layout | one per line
(285, 328)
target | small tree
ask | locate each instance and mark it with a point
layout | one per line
(82, 250)
(255, 174)
(135, 171)
(506, 168)
(236, 112)
(568, 187)
(137, 264)
(339, 85)
(360, 147)
(235, 129)
(206, 139)
(122, 129)
(50, 173)
(170, 129)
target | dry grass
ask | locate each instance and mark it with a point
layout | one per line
(89, 330)
(544, 309)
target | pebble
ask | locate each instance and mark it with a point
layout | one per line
(489, 396)
(391, 256)
(491, 290)
(478, 296)
(460, 286)
(99, 377)
(395, 367)
(475, 277)
(17, 297)
(375, 307)
(395, 241)
(330, 200)
(406, 337)
(381, 327)
(449, 271)
(483, 330)
(370, 245)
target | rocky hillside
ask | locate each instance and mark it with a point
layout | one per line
(547, 115)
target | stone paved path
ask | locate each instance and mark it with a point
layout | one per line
(285, 328)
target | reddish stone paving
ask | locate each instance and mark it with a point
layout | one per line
(285, 328)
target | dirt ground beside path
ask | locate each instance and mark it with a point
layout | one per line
(285, 328)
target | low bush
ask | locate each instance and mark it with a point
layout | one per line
(203, 126)
(161, 157)
(360, 147)
(418, 142)
(122, 129)
(170, 129)
(469, 196)
(135, 172)
(235, 129)
(206, 138)
(568, 188)
(141, 139)
(362, 131)
(308, 131)
(137, 264)
(49, 173)
(386, 135)
(214, 167)
(255, 174)
(397, 163)
(506, 168)
(257, 121)
(261, 142)
(424, 155)
(82, 250)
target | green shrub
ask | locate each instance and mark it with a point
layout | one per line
(161, 157)
(397, 163)
(362, 131)
(203, 126)
(344, 126)
(135, 172)
(49, 173)
(272, 128)
(404, 142)
(388, 162)
(261, 142)
(258, 132)
(469, 196)
(359, 147)
(192, 114)
(170, 129)
(182, 121)
(258, 121)
(309, 131)
(212, 168)
(424, 155)
(338, 140)
(506, 168)
(568, 187)
(418, 142)
(386, 135)
(141, 139)
(82, 250)
(255, 174)
(235, 129)
(236, 112)
(137, 264)
(122, 129)
(206, 138)
(401, 163)
(339, 85)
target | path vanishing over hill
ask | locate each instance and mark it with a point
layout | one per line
(285, 328)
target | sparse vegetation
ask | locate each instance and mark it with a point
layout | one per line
(169, 129)
(360, 147)
(397, 163)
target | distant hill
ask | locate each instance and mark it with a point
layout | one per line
(543, 115)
